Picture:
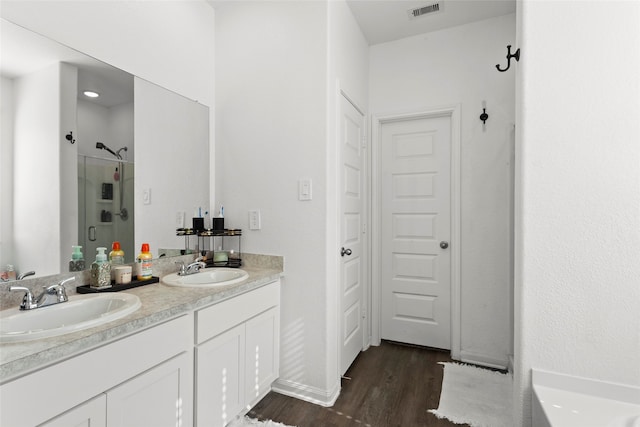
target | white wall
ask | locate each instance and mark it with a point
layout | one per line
(271, 113)
(37, 228)
(578, 198)
(457, 66)
(276, 97)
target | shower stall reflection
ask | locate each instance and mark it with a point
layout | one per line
(105, 204)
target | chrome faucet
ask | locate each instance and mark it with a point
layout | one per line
(23, 275)
(192, 268)
(53, 294)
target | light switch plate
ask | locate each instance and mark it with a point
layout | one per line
(146, 196)
(305, 189)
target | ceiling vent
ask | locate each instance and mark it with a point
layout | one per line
(425, 10)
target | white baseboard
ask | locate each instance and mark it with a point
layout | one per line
(307, 393)
(483, 360)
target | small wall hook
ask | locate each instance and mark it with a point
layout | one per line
(510, 55)
(69, 137)
(484, 116)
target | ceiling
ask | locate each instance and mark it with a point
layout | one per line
(383, 20)
(24, 52)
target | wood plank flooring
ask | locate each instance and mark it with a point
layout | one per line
(392, 385)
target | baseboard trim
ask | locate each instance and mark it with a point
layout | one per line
(483, 360)
(307, 393)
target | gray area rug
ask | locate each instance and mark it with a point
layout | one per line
(250, 422)
(475, 396)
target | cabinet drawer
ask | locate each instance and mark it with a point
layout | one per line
(215, 319)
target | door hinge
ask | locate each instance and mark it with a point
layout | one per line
(364, 313)
(364, 228)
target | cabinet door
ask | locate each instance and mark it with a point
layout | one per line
(157, 397)
(219, 378)
(261, 354)
(92, 413)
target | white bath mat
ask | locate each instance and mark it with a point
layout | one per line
(475, 396)
(250, 422)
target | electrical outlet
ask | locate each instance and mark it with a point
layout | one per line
(254, 220)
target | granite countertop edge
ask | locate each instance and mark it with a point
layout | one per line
(160, 303)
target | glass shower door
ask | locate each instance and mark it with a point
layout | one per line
(105, 206)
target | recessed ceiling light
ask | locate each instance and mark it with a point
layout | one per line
(91, 94)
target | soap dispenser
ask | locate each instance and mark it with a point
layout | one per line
(77, 259)
(100, 270)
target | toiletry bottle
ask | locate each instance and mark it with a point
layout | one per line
(11, 273)
(77, 259)
(100, 270)
(143, 263)
(116, 258)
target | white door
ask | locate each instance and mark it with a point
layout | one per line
(415, 231)
(352, 245)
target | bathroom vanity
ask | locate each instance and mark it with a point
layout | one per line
(186, 357)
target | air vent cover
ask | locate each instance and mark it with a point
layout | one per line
(425, 10)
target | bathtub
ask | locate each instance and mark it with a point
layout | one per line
(565, 401)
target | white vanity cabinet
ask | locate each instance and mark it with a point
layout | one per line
(143, 379)
(237, 354)
(89, 414)
(202, 368)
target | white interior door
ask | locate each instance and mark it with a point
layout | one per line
(352, 259)
(415, 231)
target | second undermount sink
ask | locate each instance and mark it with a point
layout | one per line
(207, 278)
(80, 312)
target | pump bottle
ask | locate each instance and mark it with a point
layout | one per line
(100, 270)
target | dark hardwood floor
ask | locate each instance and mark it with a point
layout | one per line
(392, 385)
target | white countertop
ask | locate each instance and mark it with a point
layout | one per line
(159, 303)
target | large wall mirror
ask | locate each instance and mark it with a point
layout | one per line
(87, 171)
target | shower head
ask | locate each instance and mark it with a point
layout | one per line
(101, 146)
(119, 150)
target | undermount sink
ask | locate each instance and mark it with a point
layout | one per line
(80, 312)
(207, 278)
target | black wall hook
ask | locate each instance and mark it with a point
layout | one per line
(510, 55)
(484, 116)
(69, 138)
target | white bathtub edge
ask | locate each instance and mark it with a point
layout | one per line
(561, 400)
(603, 389)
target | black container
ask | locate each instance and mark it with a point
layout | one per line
(217, 224)
(107, 191)
(198, 224)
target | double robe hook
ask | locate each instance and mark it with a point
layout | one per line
(510, 55)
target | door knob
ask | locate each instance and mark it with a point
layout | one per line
(444, 245)
(346, 252)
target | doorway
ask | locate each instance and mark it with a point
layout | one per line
(416, 238)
